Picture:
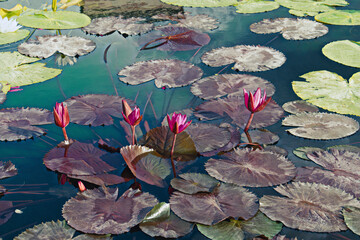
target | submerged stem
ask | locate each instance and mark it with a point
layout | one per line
(172, 155)
(249, 122)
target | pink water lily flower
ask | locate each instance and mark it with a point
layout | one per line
(132, 117)
(255, 103)
(61, 115)
(177, 122)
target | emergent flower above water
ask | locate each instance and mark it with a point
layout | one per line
(255, 103)
(132, 117)
(7, 25)
(177, 123)
(62, 119)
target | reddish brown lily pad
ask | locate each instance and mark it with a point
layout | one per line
(251, 168)
(299, 106)
(191, 183)
(210, 208)
(308, 206)
(17, 123)
(260, 136)
(101, 179)
(7, 169)
(217, 86)
(6, 211)
(100, 211)
(168, 73)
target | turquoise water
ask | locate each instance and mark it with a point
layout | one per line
(90, 75)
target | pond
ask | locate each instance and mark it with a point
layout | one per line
(37, 194)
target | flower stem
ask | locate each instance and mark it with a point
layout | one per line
(65, 136)
(133, 134)
(172, 155)
(249, 122)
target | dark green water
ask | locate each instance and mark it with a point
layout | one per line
(90, 75)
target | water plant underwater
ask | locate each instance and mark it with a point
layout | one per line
(226, 131)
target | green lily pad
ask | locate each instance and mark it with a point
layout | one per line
(300, 13)
(330, 91)
(11, 37)
(15, 70)
(256, 6)
(345, 52)
(340, 17)
(237, 229)
(352, 218)
(54, 20)
(312, 5)
(201, 3)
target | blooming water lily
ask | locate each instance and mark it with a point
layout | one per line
(132, 117)
(7, 25)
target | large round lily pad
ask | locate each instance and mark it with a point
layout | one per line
(256, 6)
(217, 86)
(308, 206)
(345, 52)
(54, 20)
(15, 70)
(11, 37)
(200, 22)
(7, 169)
(246, 58)
(168, 73)
(201, 3)
(291, 28)
(191, 183)
(251, 168)
(352, 218)
(210, 208)
(340, 17)
(322, 126)
(101, 211)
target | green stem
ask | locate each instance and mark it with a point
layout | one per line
(249, 122)
(54, 5)
(172, 155)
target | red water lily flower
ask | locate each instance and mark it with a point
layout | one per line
(61, 115)
(177, 122)
(132, 117)
(255, 103)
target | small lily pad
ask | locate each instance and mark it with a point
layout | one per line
(256, 6)
(11, 37)
(322, 126)
(7, 169)
(201, 3)
(340, 17)
(246, 58)
(200, 22)
(260, 136)
(302, 152)
(345, 52)
(194, 182)
(352, 218)
(299, 106)
(6, 211)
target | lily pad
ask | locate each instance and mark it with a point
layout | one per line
(194, 182)
(95, 109)
(291, 28)
(7, 169)
(11, 37)
(15, 70)
(100, 211)
(261, 136)
(160, 221)
(4, 89)
(201, 3)
(256, 6)
(217, 86)
(18, 123)
(308, 206)
(251, 168)
(200, 22)
(299, 106)
(352, 218)
(104, 179)
(322, 126)
(6, 211)
(312, 5)
(210, 208)
(302, 152)
(46, 46)
(129, 26)
(345, 52)
(232, 109)
(340, 17)
(246, 58)
(54, 20)
(239, 229)
(168, 73)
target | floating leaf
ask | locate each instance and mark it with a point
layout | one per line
(217, 86)
(238, 229)
(160, 221)
(301, 152)
(15, 70)
(167, 73)
(194, 182)
(299, 106)
(312, 5)
(246, 58)
(17, 123)
(233, 109)
(352, 218)
(99, 212)
(308, 206)
(11, 37)
(7, 169)
(260, 136)
(345, 52)
(322, 126)
(340, 17)
(256, 6)
(210, 208)
(6, 211)
(95, 109)
(129, 26)
(201, 3)
(4, 89)
(54, 20)
(161, 138)
(201, 22)
(276, 149)
(45, 46)
(101, 179)
(251, 168)
(291, 28)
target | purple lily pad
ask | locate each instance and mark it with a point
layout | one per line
(6, 211)
(95, 109)
(251, 168)
(17, 123)
(7, 169)
(168, 73)
(217, 86)
(233, 110)
(191, 183)
(261, 136)
(101, 179)
(210, 208)
(102, 212)
(276, 149)
(308, 206)
(299, 106)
